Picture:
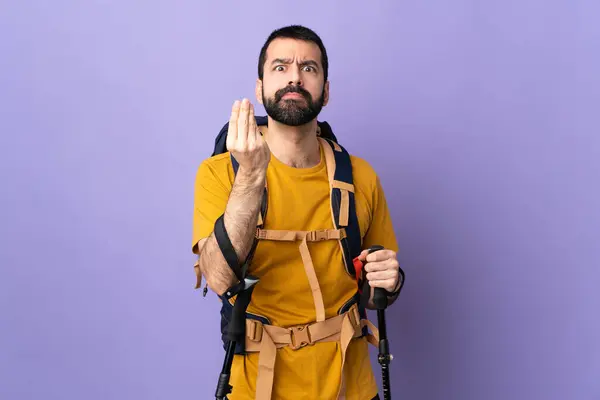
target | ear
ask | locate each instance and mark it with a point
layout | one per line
(326, 94)
(258, 91)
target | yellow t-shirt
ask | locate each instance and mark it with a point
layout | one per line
(298, 199)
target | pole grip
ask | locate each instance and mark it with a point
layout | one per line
(379, 297)
(236, 331)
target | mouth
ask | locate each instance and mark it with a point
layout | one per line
(292, 95)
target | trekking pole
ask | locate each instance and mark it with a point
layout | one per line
(236, 330)
(381, 301)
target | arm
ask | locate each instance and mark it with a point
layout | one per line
(242, 204)
(241, 216)
(381, 266)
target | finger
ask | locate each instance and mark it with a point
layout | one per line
(381, 265)
(232, 131)
(252, 128)
(242, 124)
(381, 255)
(385, 284)
(385, 274)
(363, 255)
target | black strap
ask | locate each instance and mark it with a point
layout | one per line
(351, 244)
(227, 248)
(263, 212)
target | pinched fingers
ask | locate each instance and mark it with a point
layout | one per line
(243, 140)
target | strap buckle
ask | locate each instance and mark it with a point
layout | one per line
(254, 330)
(317, 235)
(354, 316)
(313, 236)
(299, 337)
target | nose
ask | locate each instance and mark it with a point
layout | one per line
(295, 78)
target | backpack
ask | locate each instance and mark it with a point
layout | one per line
(238, 326)
(343, 214)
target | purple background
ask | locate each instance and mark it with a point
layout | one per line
(481, 119)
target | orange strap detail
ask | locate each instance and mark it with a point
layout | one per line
(343, 186)
(344, 208)
(345, 204)
(373, 337)
(198, 275)
(329, 160)
(266, 339)
(306, 236)
(313, 281)
(336, 147)
(291, 236)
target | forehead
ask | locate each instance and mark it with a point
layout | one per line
(298, 50)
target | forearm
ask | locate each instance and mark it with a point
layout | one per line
(240, 218)
(243, 208)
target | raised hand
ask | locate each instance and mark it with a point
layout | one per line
(245, 142)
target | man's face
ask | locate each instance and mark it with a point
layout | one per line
(293, 87)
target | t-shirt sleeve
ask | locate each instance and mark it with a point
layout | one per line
(210, 201)
(381, 230)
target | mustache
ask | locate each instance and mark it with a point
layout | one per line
(292, 89)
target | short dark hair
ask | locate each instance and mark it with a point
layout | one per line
(293, 32)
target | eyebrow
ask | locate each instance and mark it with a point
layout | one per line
(289, 61)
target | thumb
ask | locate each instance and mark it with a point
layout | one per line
(363, 255)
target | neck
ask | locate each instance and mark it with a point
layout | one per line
(296, 146)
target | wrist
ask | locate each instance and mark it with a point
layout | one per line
(396, 289)
(254, 176)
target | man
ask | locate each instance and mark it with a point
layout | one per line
(296, 287)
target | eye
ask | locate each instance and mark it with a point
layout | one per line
(279, 68)
(308, 68)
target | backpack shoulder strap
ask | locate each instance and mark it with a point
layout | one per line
(343, 207)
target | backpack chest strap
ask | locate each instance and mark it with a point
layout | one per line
(309, 268)
(292, 236)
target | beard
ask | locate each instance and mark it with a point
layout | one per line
(293, 112)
